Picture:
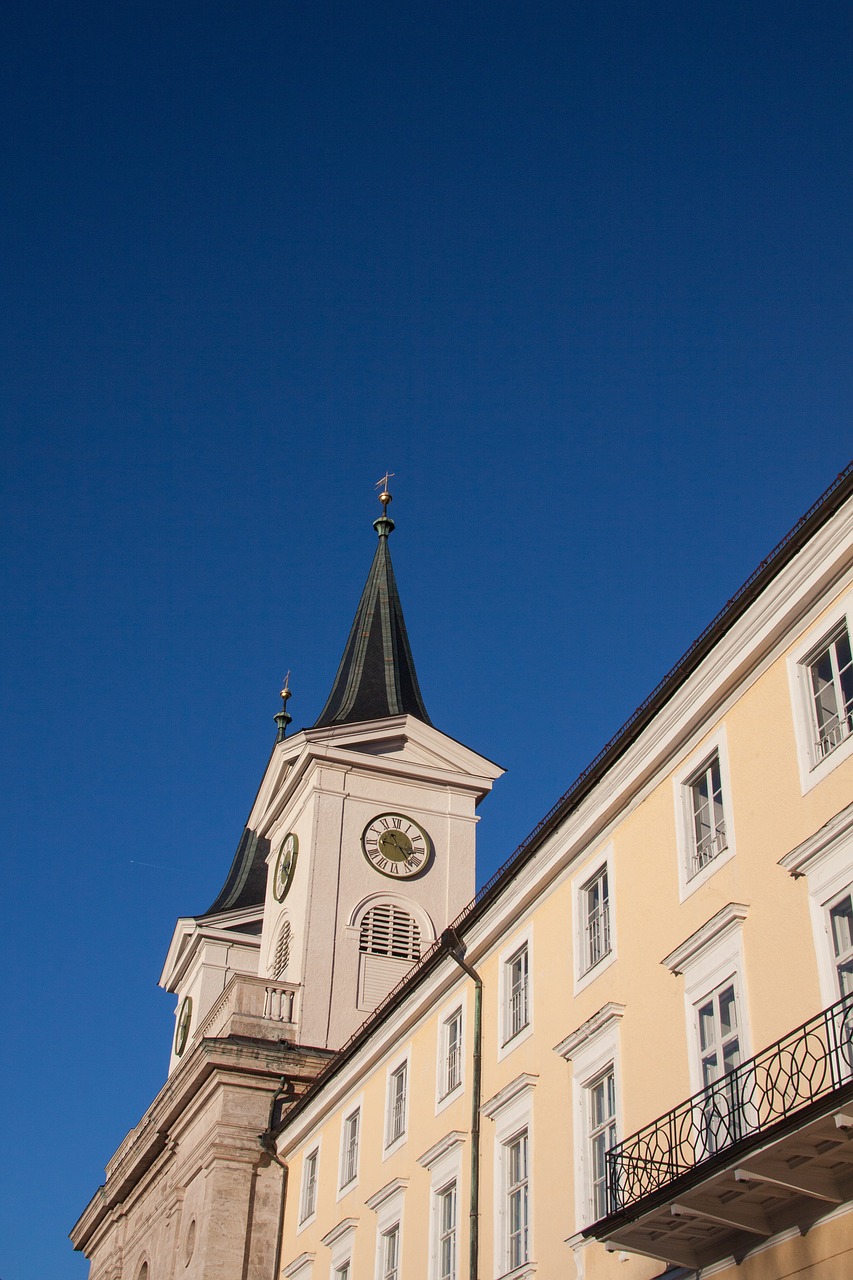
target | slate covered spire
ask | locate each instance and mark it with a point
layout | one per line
(377, 676)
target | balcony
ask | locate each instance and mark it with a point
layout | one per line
(765, 1148)
(250, 1006)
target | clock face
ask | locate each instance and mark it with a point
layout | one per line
(182, 1030)
(285, 866)
(396, 845)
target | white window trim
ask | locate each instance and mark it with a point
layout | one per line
(511, 1109)
(311, 1149)
(389, 1148)
(446, 1099)
(591, 1049)
(826, 862)
(715, 744)
(444, 1162)
(357, 1105)
(812, 770)
(520, 940)
(387, 1204)
(593, 868)
(706, 960)
(301, 1268)
(340, 1241)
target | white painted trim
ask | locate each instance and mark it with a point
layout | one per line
(507, 955)
(814, 768)
(313, 1148)
(580, 882)
(726, 920)
(339, 1232)
(402, 1059)
(444, 1161)
(460, 1005)
(357, 1105)
(512, 1111)
(804, 859)
(518, 1088)
(380, 1198)
(300, 1268)
(716, 744)
(387, 1204)
(826, 862)
(446, 1145)
(591, 1054)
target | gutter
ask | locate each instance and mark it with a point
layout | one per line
(452, 944)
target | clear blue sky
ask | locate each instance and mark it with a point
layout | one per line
(580, 274)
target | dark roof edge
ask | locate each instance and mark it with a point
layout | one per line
(817, 515)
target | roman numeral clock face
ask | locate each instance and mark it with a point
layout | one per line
(396, 846)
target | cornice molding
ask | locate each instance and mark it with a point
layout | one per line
(727, 918)
(337, 1233)
(803, 859)
(386, 1193)
(442, 1148)
(298, 1264)
(517, 1088)
(608, 1015)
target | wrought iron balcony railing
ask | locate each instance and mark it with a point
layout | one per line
(804, 1066)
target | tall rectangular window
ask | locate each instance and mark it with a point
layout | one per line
(342, 1272)
(309, 1185)
(517, 1010)
(349, 1148)
(451, 1072)
(708, 819)
(720, 1055)
(601, 1119)
(595, 903)
(446, 1225)
(391, 1253)
(517, 1206)
(841, 930)
(831, 687)
(397, 1103)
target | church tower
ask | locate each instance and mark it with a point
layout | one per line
(358, 851)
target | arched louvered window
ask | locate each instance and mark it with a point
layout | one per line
(281, 955)
(388, 930)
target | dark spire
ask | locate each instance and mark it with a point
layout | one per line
(377, 676)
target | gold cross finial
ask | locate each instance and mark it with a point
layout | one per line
(385, 496)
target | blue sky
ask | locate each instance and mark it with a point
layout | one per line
(580, 274)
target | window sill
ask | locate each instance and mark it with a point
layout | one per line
(524, 1272)
(589, 976)
(507, 1047)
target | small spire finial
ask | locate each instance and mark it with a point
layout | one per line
(282, 718)
(384, 524)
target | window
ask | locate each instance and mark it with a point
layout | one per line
(391, 1253)
(601, 1111)
(390, 941)
(281, 956)
(515, 1164)
(830, 672)
(396, 1125)
(708, 822)
(596, 918)
(349, 1148)
(841, 934)
(720, 1053)
(343, 1272)
(309, 1185)
(451, 1066)
(445, 1217)
(517, 1006)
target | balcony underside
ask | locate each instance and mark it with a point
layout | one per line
(760, 1186)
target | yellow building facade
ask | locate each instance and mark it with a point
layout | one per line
(630, 1056)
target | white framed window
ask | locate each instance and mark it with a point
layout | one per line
(703, 812)
(340, 1242)
(396, 1104)
(517, 1194)
(446, 1245)
(515, 993)
(594, 918)
(712, 965)
(450, 1056)
(825, 860)
(389, 1246)
(718, 1030)
(350, 1136)
(820, 674)
(444, 1162)
(512, 1111)
(308, 1197)
(387, 1204)
(593, 1050)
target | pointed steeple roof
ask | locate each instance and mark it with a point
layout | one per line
(377, 676)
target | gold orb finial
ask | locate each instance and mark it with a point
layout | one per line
(385, 496)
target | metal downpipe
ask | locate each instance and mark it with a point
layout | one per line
(454, 948)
